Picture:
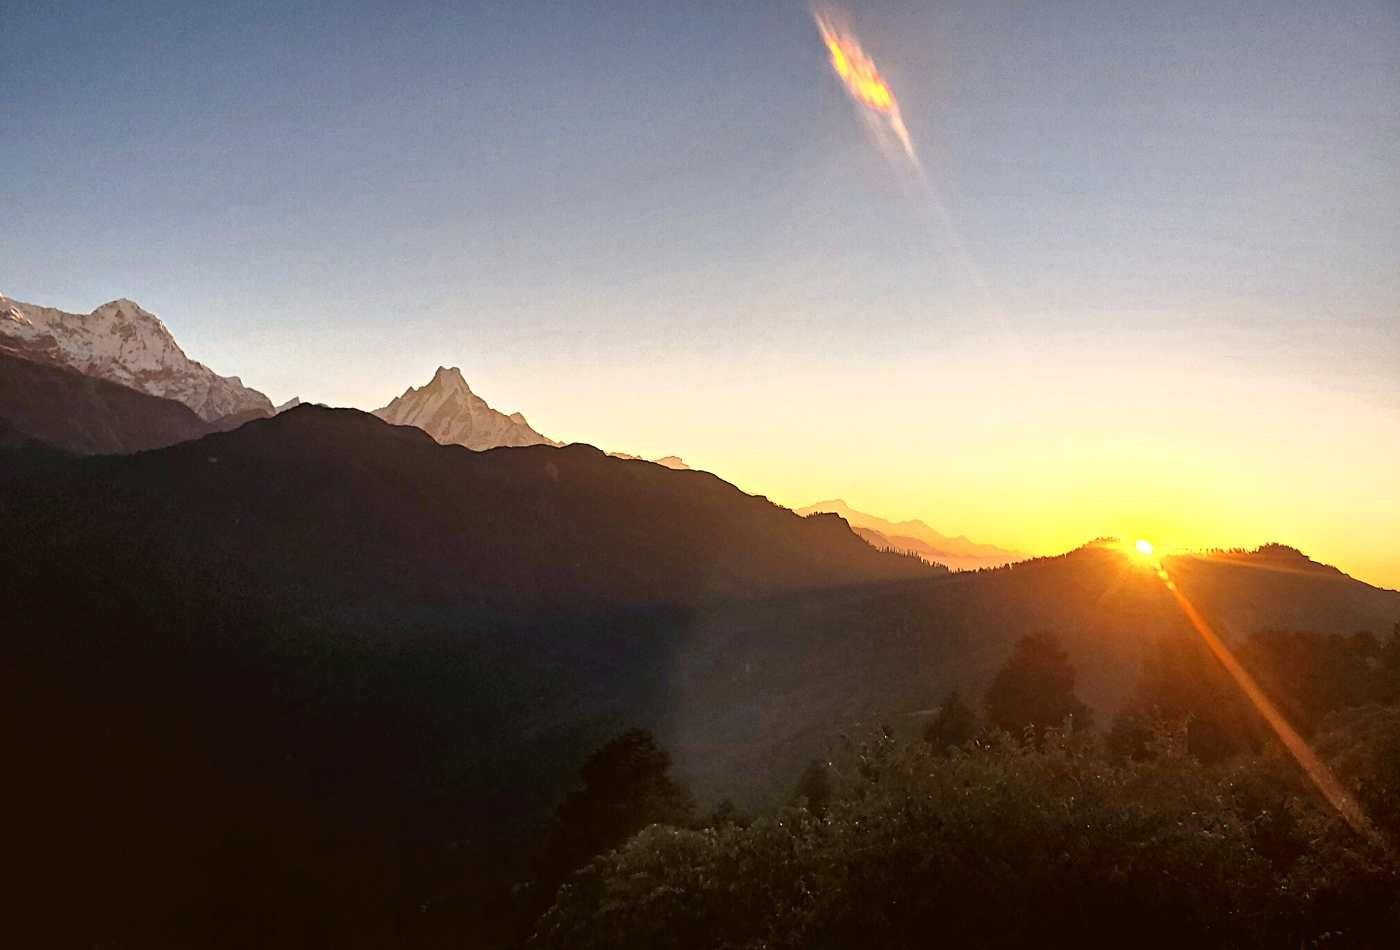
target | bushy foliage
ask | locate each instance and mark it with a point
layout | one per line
(1363, 747)
(999, 844)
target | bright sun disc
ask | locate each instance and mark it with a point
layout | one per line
(1144, 547)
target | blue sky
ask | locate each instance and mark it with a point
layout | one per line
(657, 224)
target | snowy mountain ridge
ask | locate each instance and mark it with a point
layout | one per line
(123, 343)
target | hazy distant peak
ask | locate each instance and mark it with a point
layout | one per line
(918, 538)
(666, 461)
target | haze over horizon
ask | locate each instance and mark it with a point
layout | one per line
(1162, 303)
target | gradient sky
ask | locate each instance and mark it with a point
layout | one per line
(1164, 298)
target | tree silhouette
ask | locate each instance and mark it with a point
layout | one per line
(955, 724)
(814, 787)
(624, 786)
(1035, 689)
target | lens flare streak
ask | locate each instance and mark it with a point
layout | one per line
(863, 82)
(1317, 770)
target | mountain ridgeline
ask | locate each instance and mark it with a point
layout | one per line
(369, 513)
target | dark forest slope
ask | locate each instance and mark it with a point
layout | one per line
(86, 415)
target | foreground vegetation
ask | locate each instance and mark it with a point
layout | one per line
(1032, 836)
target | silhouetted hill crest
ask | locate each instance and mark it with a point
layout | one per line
(367, 512)
(1276, 556)
(88, 415)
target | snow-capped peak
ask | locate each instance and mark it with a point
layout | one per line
(448, 410)
(122, 342)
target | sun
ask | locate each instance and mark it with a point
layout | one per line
(1140, 551)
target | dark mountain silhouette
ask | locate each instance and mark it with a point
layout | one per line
(87, 415)
(323, 669)
(368, 513)
(323, 628)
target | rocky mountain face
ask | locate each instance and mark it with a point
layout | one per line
(915, 537)
(452, 414)
(122, 343)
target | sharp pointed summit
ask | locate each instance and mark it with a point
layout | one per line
(451, 377)
(448, 410)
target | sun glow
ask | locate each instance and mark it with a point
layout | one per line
(1141, 551)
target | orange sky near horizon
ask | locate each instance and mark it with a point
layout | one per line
(1034, 445)
(1054, 453)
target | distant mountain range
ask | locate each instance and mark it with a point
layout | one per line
(126, 345)
(915, 537)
